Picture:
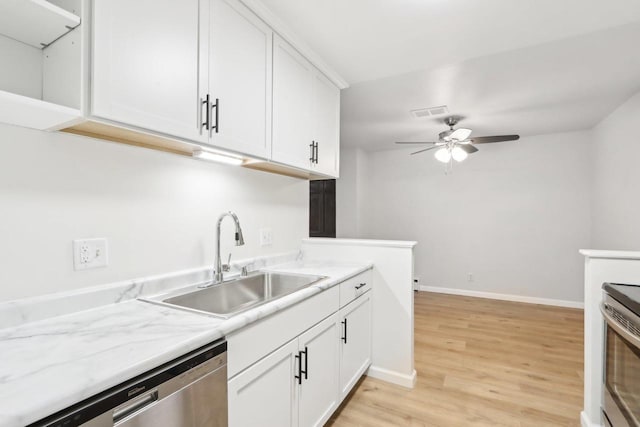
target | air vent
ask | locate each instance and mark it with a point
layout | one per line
(428, 112)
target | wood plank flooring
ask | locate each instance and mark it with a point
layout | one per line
(481, 362)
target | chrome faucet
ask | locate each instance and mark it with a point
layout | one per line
(218, 273)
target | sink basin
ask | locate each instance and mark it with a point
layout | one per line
(230, 298)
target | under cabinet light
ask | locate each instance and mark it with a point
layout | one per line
(213, 156)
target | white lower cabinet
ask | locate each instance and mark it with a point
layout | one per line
(266, 394)
(297, 385)
(302, 382)
(320, 363)
(355, 348)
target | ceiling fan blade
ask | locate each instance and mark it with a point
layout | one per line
(487, 139)
(426, 149)
(470, 149)
(414, 142)
(460, 134)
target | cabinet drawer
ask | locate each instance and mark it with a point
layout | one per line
(354, 287)
(254, 342)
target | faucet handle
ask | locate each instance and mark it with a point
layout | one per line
(226, 267)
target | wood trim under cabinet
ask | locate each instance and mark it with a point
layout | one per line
(130, 137)
(113, 133)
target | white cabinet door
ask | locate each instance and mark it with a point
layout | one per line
(266, 393)
(355, 351)
(146, 67)
(240, 68)
(319, 395)
(292, 100)
(326, 114)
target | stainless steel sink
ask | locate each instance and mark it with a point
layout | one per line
(230, 298)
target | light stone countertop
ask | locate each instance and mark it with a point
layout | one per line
(48, 365)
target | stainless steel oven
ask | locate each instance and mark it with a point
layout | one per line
(621, 391)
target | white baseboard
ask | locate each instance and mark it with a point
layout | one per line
(586, 422)
(504, 297)
(404, 380)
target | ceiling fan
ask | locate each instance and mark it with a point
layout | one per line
(456, 144)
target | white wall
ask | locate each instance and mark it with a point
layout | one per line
(514, 214)
(158, 210)
(616, 166)
(350, 190)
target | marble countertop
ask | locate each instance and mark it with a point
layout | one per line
(48, 365)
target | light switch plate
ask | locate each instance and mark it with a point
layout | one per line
(266, 237)
(90, 253)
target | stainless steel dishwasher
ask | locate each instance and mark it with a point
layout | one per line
(190, 391)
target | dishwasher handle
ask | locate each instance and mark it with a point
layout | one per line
(136, 405)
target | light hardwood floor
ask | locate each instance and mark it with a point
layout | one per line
(481, 362)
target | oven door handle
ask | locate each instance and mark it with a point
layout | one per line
(621, 330)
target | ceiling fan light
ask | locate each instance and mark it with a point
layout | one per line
(443, 155)
(458, 154)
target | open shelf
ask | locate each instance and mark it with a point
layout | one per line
(35, 22)
(33, 113)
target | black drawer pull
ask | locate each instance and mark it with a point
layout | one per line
(361, 285)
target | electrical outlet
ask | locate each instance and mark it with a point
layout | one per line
(470, 277)
(266, 237)
(89, 253)
(416, 283)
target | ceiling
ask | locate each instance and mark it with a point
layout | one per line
(370, 39)
(528, 66)
(555, 87)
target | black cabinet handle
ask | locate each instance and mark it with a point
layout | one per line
(312, 146)
(344, 338)
(206, 102)
(299, 359)
(316, 155)
(217, 107)
(361, 285)
(306, 363)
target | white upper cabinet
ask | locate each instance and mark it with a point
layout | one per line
(326, 115)
(146, 65)
(292, 106)
(240, 67)
(306, 113)
(212, 72)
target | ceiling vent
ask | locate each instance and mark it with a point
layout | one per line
(429, 112)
